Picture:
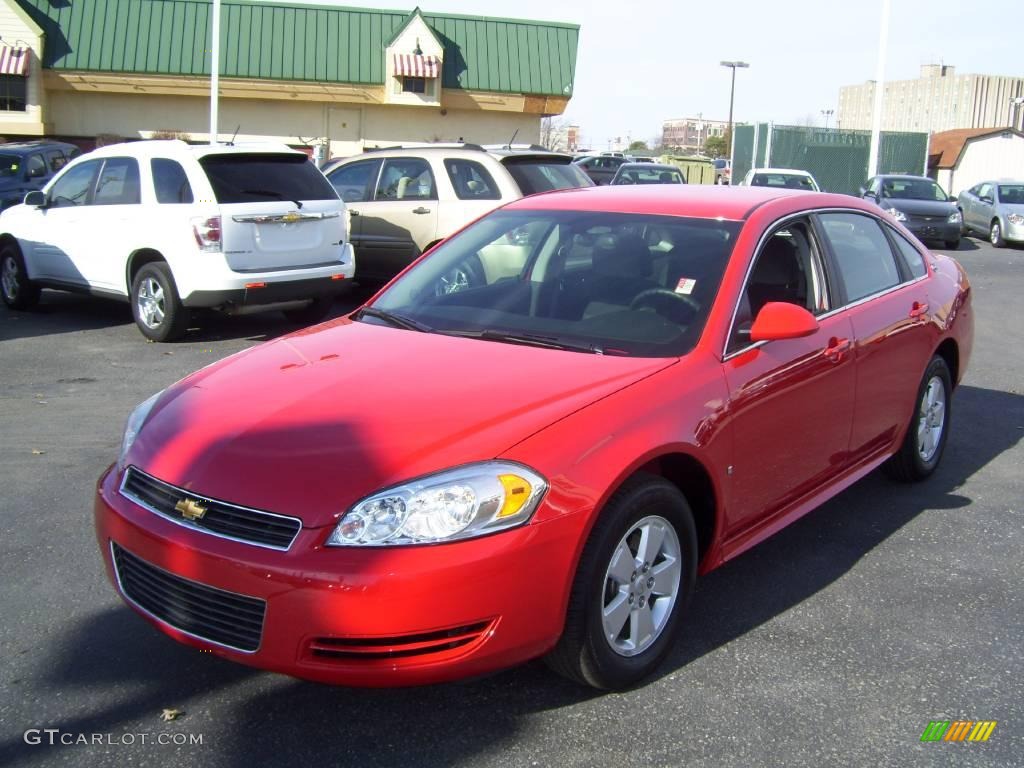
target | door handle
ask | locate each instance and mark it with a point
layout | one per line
(421, 209)
(918, 310)
(836, 349)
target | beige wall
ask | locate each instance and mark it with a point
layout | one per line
(347, 127)
(16, 29)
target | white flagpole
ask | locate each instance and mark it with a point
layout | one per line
(214, 70)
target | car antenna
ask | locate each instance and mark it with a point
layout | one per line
(509, 145)
(233, 135)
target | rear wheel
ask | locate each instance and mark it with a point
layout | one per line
(318, 309)
(925, 440)
(17, 290)
(995, 234)
(635, 577)
(155, 304)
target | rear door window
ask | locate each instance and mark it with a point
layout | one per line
(354, 182)
(118, 183)
(262, 177)
(542, 174)
(170, 182)
(36, 166)
(865, 260)
(471, 180)
(910, 255)
(56, 160)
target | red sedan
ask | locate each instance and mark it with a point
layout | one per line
(534, 439)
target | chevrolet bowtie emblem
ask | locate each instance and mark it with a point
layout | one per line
(291, 217)
(190, 510)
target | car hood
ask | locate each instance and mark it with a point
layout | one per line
(1008, 208)
(310, 423)
(920, 207)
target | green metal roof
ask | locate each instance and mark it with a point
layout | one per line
(299, 42)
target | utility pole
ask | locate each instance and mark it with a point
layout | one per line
(214, 69)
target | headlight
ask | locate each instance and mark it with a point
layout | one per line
(1015, 218)
(134, 426)
(455, 504)
(896, 214)
(954, 217)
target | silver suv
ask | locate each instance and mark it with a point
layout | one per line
(403, 200)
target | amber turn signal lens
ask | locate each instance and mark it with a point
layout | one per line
(517, 493)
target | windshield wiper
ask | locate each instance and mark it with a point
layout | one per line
(530, 340)
(399, 321)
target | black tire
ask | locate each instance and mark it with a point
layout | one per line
(17, 290)
(908, 464)
(311, 314)
(171, 319)
(952, 245)
(583, 654)
(995, 234)
(964, 229)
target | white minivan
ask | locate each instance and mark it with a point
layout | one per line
(171, 227)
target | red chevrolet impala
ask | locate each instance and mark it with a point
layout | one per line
(533, 440)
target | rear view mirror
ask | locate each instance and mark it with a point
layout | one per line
(36, 199)
(778, 320)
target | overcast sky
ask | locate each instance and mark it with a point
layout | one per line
(641, 63)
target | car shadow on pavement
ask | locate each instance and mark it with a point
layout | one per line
(293, 722)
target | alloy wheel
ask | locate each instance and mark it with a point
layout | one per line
(995, 235)
(9, 278)
(150, 302)
(641, 585)
(931, 419)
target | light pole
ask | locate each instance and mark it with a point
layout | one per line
(214, 68)
(732, 93)
(827, 113)
(1015, 104)
(876, 113)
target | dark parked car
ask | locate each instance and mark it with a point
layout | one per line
(648, 173)
(921, 205)
(28, 165)
(601, 168)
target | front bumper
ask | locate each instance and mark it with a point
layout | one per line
(1013, 233)
(934, 230)
(369, 617)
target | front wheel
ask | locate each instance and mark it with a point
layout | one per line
(17, 290)
(156, 307)
(634, 580)
(995, 235)
(925, 440)
(952, 245)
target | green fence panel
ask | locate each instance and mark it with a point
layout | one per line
(743, 151)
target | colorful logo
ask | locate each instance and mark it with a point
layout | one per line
(958, 730)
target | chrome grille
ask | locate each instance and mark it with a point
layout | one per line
(252, 526)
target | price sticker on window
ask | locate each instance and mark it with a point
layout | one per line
(686, 285)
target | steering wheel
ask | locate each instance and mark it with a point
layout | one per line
(677, 307)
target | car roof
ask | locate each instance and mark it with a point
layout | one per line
(907, 176)
(651, 166)
(149, 148)
(791, 171)
(703, 201)
(31, 146)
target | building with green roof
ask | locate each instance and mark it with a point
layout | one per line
(310, 75)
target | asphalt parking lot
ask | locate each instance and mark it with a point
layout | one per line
(833, 643)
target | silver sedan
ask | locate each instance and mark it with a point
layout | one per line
(994, 209)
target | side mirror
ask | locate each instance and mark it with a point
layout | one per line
(778, 320)
(950, 199)
(36, 199)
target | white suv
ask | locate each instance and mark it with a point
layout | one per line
(172, 227)
(404, 200)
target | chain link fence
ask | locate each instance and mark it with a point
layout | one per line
(838, 159)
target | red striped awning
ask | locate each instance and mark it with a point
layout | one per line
(13, 61)
(411, 65)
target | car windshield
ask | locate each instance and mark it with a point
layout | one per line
(262, 177)
(10, 166)
(785, 180)
(641, 175)
(1011, 193)
(612, 283)
(913, 189)
(537, 174)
